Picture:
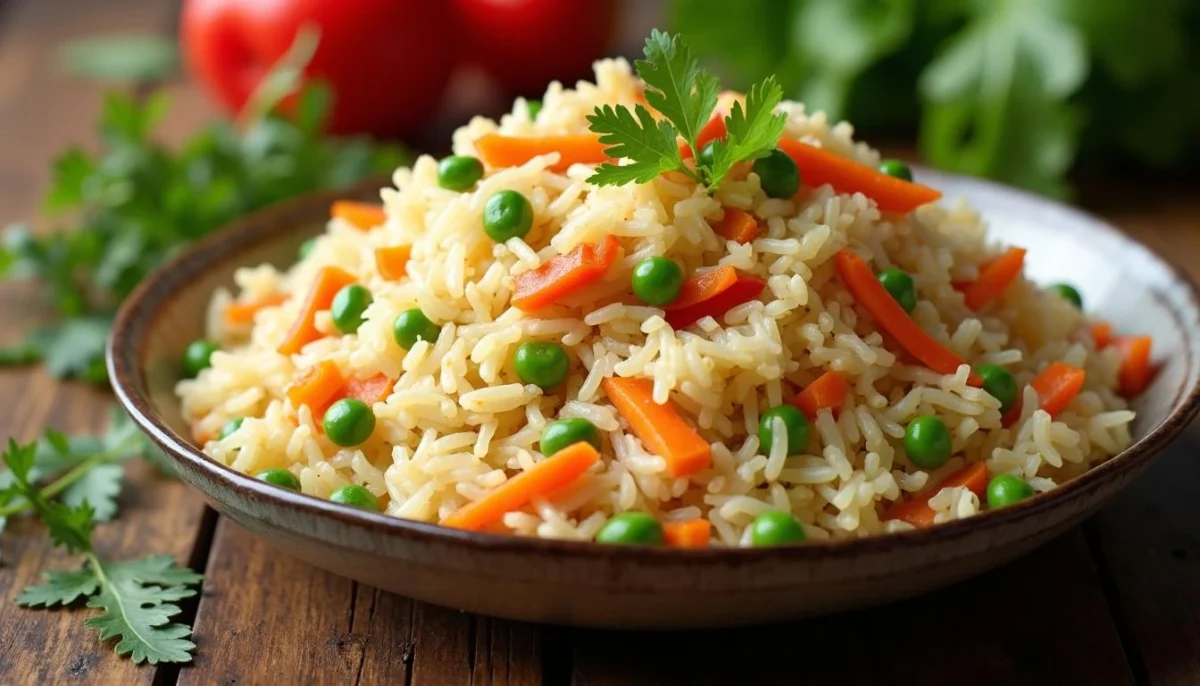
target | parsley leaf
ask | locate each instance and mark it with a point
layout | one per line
(650, 144)
(686, 96)
(63, 587)
(676, 86)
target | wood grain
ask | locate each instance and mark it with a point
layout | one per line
(268, 616)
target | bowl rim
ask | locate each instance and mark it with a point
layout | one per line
(127, 343)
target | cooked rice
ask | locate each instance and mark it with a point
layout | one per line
(459, 422)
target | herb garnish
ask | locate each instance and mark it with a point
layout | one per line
(685, 95)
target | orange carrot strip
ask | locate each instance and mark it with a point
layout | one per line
(994, 278)
(392, 262)
(363, 215)
(317, 388)
(659, 427)
(1057, 385)
(1136, 370)
(544, 477)
(1102, 334)
(564, 275)
(510, 151)
(237, 313)
(866, 289)
(828, 392)
(744, 289)
(704, 287)
(819, 167)
(329, 281)
(714, 129)
(737, 225)
(694, 533)
(917, 512)
(371, 390)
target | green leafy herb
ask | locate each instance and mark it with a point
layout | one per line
(136, 596)
(686, 96)
(1000, 88)
(137, 202)
(131, 58)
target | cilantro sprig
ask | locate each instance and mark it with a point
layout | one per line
(679, 89)
(136, 597)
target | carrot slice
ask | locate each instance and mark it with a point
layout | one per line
(659, 427)
(1136, 370)
(1057, 385)
(564, 275)
(703, 287)
(329, 281)
(510, 151)
(392, 262)
(866, 289)
(917, 512)
(363, 215)
(317, 388)
(1102, 334)
(819, 167)
(239, 313)
(994, 278)
(694, 533)
(545, 477)
(828, 392)
(371, 390)
(744, 289)
(737, 225)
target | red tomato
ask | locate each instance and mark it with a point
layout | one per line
(387, 61)
(525, 44)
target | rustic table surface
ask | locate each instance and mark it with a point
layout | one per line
(1116, 601)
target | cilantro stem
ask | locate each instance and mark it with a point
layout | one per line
(61, 483)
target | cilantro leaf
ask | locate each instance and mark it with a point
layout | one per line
(63, 587)
(136, 598)
(99, 488)
(650, 144)
(753, 132)
(676, 85)
(72, 347)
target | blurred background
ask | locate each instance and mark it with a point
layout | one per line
(144, 124)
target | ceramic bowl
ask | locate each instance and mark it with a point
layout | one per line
(592, 585)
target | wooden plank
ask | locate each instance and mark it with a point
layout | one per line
(42, 112)
(1042, 619)
(267, 616)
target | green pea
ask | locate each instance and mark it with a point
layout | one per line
(412, 326)
(631, 528)
(542, 364)
(459, 172)
(999, 382)
(562, 433)
(507, 214)
(231, 426)
(349, 422)
(797, 429)
(197, 356)
(900, 284)
(355, 496)
(1006, 489)
(897, 169)
(775, 528)
(927, 442)
(1069, 293)
(657, 281)
(707, 154)
(281, 478)
(306, 248)
(778, 174)
(348, 306)
(534, 107)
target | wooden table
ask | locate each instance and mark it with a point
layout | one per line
(1116, 601)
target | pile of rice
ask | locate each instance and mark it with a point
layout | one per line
(459, 422)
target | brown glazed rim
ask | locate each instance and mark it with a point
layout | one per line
(127, 346)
